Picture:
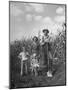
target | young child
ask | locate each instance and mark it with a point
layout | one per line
(24, 60)
(34, 64)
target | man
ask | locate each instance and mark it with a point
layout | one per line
(46, 51)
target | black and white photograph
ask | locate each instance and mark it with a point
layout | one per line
(37, 40)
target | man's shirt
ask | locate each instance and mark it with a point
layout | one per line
(45, 39)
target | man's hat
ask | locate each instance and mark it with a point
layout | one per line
(45, 30)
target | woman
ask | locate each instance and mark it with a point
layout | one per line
(36, 45)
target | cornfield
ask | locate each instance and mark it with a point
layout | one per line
(58, 53)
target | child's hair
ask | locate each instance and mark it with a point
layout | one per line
(23, 47)
(34, 54)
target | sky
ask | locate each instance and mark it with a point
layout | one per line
(27, 19)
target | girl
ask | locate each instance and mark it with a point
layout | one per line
(34, 64)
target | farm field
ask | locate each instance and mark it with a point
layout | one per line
(28, 81)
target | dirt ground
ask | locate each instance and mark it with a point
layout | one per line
(29, 81)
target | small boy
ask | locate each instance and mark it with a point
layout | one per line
(34, 64)
(24, 60)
